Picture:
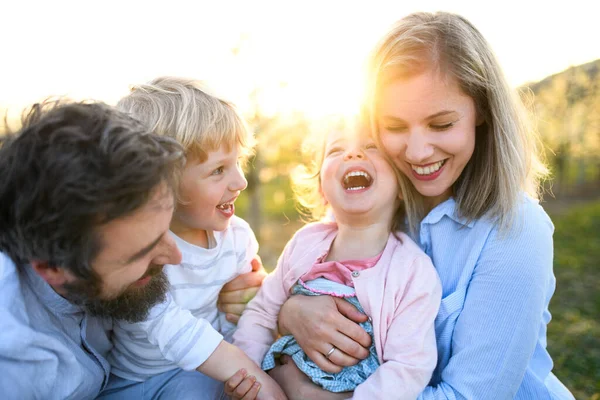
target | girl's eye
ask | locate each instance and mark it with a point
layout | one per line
(334, 150)
(395, 129)
(442, 127)
(371, 146)
(217, 171)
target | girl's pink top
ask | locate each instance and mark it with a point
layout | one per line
(401, 294)
(339, 271)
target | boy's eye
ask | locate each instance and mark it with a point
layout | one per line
(217, 171)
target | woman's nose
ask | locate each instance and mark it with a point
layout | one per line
(418, 148)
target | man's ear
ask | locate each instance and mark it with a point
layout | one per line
(54, 276)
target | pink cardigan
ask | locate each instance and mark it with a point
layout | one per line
(401, 294)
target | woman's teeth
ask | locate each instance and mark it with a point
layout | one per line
(428, 170)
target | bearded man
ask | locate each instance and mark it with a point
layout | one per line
(86, 198)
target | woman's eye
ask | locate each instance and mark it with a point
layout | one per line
(217, 171)
(442, 127)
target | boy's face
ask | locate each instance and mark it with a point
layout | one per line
(208, 191)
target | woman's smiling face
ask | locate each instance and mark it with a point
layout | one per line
(427, 126)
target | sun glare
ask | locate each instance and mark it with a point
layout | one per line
(279, 57)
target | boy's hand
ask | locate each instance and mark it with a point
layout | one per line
(236, 294)
(241, 386)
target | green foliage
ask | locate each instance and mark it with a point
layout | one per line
(566, 111)
(574, 332)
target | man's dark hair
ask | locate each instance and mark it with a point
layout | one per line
(71, 168)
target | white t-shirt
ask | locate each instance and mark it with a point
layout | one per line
(183, 331)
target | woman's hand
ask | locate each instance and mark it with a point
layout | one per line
(298, 386)
(322, 323)
(236, 294)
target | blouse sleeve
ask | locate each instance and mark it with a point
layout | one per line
(498, 328)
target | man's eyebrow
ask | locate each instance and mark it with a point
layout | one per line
(145, 250)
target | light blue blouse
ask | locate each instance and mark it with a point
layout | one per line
(491, 327)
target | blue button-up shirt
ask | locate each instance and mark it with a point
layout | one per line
(491, 326)
(49, 348)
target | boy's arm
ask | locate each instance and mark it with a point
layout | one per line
(236, 294)
(409, 353)
(257, 328)
(182, 339)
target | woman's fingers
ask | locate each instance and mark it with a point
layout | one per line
(323, 363)
(341, 358)
(317, 324)
(349, 311)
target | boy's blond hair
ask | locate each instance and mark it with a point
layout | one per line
(184, 110)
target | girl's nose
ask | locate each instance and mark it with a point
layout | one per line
(354, 154)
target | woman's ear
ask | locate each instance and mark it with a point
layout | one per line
(480, 119)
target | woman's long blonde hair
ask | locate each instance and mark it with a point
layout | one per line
(505, 162)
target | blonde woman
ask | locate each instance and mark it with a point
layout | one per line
(442, 110)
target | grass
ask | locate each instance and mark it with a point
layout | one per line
(574, 332)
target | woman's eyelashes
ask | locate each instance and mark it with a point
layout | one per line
(433, 126)
(442, 127)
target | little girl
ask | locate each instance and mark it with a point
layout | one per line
(363, 258)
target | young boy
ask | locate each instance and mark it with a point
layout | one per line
(185, 333)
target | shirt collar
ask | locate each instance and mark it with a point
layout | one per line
(447, 208)
(47, 295)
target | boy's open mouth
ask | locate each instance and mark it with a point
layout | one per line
(356, 180)
(225, 206)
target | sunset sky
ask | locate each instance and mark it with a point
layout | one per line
(303, 55)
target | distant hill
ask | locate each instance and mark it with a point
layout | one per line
(567, 111)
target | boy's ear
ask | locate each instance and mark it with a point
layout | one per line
(54, 276)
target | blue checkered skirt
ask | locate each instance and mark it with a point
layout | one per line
(343, 381)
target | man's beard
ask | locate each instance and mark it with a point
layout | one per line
(132, 305)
